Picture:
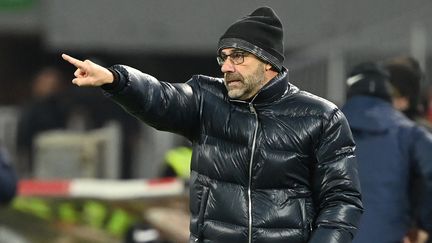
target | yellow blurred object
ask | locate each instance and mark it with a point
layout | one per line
(180, 159)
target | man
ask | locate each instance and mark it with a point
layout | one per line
(405, 78)
(390, 150)
(270, 163)
(46, 110)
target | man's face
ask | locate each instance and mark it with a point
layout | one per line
(242, 80)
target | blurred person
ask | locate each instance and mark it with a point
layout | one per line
(391, 149)
(8, 178)
(53, 105)
(44, 111)
(405, 77)
(270, 163)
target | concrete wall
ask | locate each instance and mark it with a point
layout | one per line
(195, 25)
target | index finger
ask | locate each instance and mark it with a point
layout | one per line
(77, 63)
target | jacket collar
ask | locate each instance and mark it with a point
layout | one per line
(274, 89)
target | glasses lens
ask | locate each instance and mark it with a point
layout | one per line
(237, 57)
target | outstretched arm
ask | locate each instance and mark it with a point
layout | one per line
(165, 106)
(89, 73)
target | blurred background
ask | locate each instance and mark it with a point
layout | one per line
(54, 131)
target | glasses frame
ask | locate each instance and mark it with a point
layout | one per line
(236, 57)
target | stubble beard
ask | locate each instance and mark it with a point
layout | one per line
(247, 86)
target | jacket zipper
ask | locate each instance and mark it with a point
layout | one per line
(252, 109)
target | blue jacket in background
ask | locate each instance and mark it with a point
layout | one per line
(8, 179)
(391, 149)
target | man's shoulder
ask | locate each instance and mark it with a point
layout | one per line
(205, 80)
(208, 83)
(313, 103)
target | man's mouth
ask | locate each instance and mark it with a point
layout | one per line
(233, 82)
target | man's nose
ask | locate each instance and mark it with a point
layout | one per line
(228, 66)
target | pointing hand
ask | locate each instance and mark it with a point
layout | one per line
(89, 73)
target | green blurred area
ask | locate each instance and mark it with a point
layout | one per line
(56, 220)
(72, 221)
(46, 220)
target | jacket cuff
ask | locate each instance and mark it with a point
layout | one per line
(117, 84)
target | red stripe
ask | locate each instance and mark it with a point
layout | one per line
(43, 188)
(158, 181)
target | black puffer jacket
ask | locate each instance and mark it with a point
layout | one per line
(279, 168)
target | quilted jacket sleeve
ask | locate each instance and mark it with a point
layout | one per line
(336, 184)
(172, 107)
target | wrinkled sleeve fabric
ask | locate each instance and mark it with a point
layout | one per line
(422, 156)
(336, 183)
(172, 107)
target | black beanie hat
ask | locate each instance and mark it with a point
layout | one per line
(259, 33)
(369, 79)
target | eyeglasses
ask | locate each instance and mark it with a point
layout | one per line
(237, 57)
